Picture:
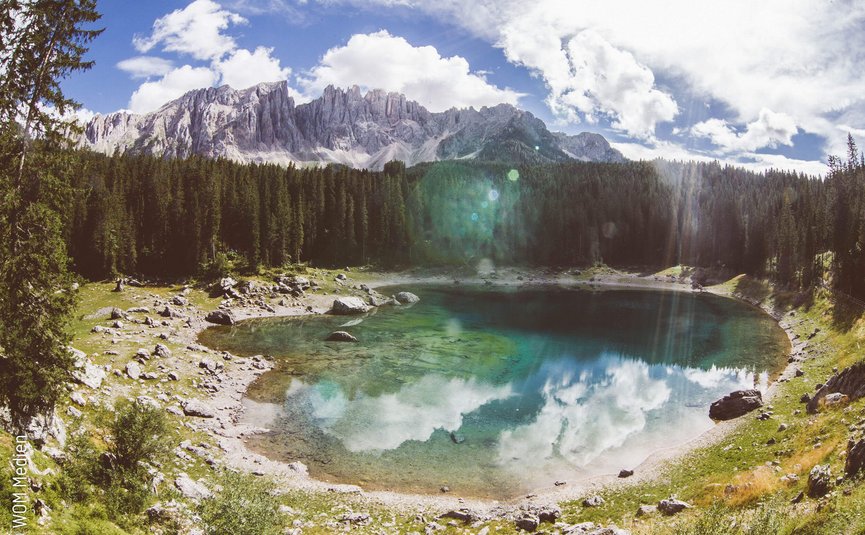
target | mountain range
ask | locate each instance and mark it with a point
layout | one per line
(264, 124)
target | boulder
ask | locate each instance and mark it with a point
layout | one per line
(736, 404)
(348, 305)
(527, 522)
(593, 501)
(855, 462)
(179, 300)
(467, 516)
(162, 351)
(672, 506)
(625, 473)
(116, 313)
(196, 408)
(819, 481)
(406, 298)
(646, 510)
(220, 317)
(133, 370)
(849, 382)
(340, 336)
(85, 372)
(191, 489)
(78, 399)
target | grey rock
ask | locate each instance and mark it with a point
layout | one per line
(191, 489)
(406, 298)
(735, 404)
(133, 370)
(819, 481)
(593, 501)
(220, 317)
(625, 473)
(849, 382)
(672, 506)
(340, 336)
(646, 510)
(117, 314)
(264, 124)
(179, 300)
(527, 522)
(162, 350)
(196, 408)
(348, 306)
(464, 515)
(855, 462)
(85, 372)
(78, 399)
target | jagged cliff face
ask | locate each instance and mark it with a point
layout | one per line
(263, 124)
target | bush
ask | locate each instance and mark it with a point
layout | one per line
(244, 506)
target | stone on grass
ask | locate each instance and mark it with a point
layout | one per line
(819, 481)
(672, 506)
(133, 370)
(196, 408)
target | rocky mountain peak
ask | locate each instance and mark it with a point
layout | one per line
(264, 124)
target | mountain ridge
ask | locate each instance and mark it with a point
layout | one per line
(263, 124)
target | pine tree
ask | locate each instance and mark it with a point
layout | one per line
(41, 42)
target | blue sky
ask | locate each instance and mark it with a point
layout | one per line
(763, 85)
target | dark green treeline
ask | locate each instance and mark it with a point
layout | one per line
(141, 215)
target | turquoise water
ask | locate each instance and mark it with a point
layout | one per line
(497, 392)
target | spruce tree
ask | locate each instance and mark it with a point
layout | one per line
(41, 42)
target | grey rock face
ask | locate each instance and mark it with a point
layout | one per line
(849, 382)
(263, 124)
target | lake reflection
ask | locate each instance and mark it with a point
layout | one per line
(498, 393)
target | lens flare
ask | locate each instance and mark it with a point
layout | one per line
(493, 195)
(474, 216)
(513, 175)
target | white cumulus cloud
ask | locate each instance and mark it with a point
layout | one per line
(383, 61)
(770, 129)
(145, 66)
(243, 68)
(151, 95)
(196, 30)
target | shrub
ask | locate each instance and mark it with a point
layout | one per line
(244, 506)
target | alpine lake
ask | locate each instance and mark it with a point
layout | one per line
(494, 392)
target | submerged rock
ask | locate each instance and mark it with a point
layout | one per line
(340, 336)
(348, 305)
(736, 404)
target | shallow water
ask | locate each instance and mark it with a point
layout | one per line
(496, 392)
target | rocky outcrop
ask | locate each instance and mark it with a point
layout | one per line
(848, 382)
(735, 404)
(264, 124)
(855, 462)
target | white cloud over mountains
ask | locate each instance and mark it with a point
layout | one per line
(196, 31)
(420, 73)
(599, 58)
(199, 31)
